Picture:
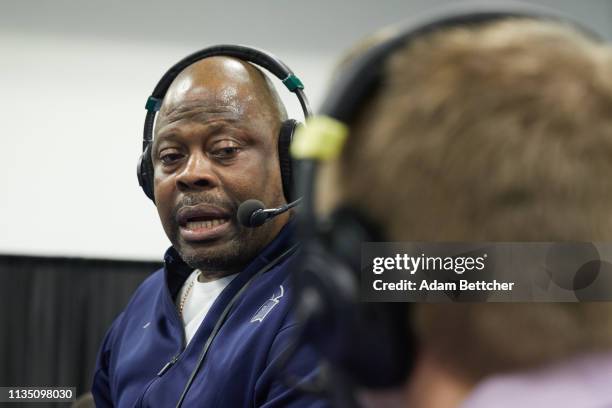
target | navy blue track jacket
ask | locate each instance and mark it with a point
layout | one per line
(143, 361)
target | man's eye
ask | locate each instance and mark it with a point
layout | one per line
(170, 158)
(226, 152)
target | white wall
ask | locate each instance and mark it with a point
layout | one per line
(74, 79)
(72, 135)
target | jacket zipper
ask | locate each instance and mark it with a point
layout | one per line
(166, 366)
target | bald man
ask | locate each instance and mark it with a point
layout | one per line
(215, 146)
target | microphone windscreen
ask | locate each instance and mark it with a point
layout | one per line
(246, 210)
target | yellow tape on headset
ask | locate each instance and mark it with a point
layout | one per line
(322, 139)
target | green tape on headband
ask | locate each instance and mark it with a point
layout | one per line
(292, 83)
(153, 104)
(321, 139)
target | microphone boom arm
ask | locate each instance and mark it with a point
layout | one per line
(263, 215)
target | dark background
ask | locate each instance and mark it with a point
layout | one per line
(54, 314)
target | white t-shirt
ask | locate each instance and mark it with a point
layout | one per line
(198, 300)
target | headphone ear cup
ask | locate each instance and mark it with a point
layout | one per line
(144, 171)
(371, 342)
(284, 157)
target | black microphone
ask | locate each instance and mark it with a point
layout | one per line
(252, 213)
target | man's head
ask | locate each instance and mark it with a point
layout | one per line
(215, 146)
(498, 132)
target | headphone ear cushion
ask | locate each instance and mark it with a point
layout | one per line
(144, 171)
(371, 341)
(284, 157)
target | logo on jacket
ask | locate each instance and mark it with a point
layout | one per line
(269, 304)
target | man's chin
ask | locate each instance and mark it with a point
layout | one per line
(215, 256)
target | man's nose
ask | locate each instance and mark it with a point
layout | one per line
(197, 174)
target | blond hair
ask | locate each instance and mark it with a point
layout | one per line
(501, 131)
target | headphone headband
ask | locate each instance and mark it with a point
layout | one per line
(258, 57)
(328, 130)
(361, 77)
(253, 55)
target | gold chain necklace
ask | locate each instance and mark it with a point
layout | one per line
(186, 294)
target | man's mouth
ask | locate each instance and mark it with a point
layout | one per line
(203, 222)
(207, 224)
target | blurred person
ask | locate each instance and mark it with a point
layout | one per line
(496, 131)
(215, 146)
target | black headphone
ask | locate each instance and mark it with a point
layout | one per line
(257, 57)
(371, 343)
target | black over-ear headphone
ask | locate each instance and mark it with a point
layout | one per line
(371, 343)
(258, 57)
